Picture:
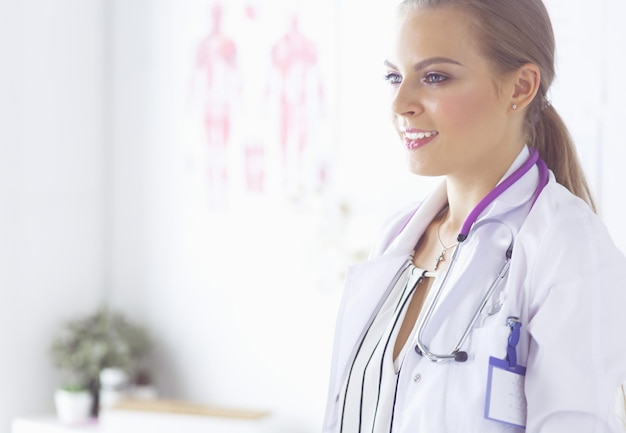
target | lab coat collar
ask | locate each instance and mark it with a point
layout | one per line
(405, 241)
(515, 196)
(518, 194)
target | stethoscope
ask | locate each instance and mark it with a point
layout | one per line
(456, 353)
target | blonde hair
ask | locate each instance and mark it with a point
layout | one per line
(513, 33)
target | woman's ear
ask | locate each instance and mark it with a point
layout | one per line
(525, 85)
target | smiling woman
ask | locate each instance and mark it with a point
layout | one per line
(482, 282)
(442, 83)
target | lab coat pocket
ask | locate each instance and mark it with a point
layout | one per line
(467, 383)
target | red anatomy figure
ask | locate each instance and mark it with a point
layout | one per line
(299, 92)
(217, 59)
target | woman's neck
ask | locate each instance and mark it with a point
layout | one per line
(465, 192)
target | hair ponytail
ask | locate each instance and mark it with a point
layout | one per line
(549, 135)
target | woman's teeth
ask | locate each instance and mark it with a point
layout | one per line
(419, 135)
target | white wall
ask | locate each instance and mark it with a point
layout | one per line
(613, 153)
(52, 208)
(589, 92)
(232, 299)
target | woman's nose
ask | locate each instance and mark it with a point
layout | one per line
(406, 102)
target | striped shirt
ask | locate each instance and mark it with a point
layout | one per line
(369, 392)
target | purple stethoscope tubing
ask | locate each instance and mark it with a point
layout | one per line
(499, 189)
(503, 186)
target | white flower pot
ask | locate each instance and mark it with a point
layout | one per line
(73, 407)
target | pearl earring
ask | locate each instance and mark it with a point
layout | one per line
(514, 106)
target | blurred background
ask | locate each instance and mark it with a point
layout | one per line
(210, 168)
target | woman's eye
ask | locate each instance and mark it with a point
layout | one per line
(434, 78)
(392, 78)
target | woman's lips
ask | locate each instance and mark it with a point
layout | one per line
(414, 138)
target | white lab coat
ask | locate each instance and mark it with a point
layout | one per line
(567, 284)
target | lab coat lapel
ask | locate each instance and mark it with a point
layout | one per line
(406, 240)
(367, 283)
(365, 290)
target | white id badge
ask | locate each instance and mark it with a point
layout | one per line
(506, 401)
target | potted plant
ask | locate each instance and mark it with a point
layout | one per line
(86, 345)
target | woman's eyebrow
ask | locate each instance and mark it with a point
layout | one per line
(426, 63)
